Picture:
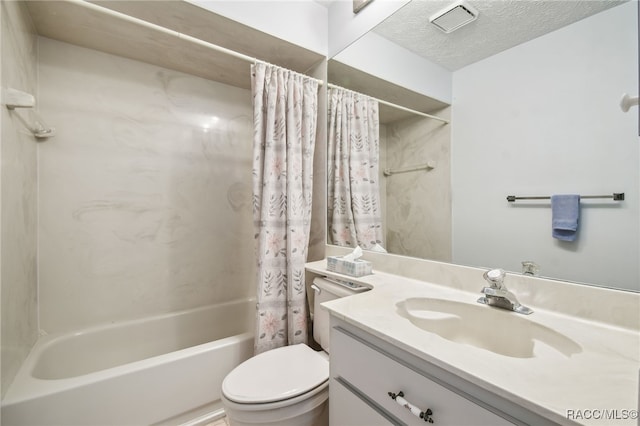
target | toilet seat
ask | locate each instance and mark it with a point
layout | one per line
(276, 375)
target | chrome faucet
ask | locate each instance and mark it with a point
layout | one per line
(497, 294)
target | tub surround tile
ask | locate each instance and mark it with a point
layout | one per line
(144, 192)
(418, 204)
(18, 195)
(318, 228)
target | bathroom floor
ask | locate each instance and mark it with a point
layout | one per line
(219, 422)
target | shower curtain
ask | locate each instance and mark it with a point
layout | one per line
(284, 116)
(354, 215)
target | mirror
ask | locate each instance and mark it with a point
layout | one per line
(532, 90)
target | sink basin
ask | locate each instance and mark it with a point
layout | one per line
(497, 330)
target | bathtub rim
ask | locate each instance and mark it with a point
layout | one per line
(26, 387)
(46, 341)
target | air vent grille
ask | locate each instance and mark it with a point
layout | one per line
(454, 17)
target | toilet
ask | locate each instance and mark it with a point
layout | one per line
(289, 385)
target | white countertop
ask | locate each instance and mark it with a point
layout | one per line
(604, 375)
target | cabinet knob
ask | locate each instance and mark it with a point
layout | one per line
(424, 415)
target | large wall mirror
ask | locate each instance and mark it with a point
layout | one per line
(527, 103)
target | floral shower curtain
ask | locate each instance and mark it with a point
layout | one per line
(284, 122)
(354, 215)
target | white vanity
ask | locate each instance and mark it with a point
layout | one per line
(474, 364)
(366, 370)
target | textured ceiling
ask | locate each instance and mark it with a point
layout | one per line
(501, 24)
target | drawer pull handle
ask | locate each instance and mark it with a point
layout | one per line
(424, 415)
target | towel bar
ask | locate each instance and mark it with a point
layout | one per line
(617, 196)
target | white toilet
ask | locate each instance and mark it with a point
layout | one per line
(289, 385)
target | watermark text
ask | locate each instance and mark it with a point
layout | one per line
(602, 414)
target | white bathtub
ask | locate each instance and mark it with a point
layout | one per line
(164, 369)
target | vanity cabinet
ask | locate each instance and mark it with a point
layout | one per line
(347, 408)
(364, 372)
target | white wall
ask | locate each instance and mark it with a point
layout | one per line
(415, 73)
(144, 193)
(302, 22)
(543, 118)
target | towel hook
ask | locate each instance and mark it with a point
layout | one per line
(14, 99)
(627, 102)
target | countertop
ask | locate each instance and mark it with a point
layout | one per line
(603, 375)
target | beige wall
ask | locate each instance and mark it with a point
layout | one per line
(318, 229)
(18, 196)
(418, 204)
(145, 192)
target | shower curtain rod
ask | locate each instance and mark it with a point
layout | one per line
(177, 34)
(400, 107)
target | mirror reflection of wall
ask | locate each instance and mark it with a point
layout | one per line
(537, 118)
(414, 171)
(418, 209)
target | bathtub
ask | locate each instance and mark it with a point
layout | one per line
(166, 369)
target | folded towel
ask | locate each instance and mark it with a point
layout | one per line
(565, 210)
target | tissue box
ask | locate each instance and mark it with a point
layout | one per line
(355, 268)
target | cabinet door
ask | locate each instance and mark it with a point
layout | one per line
(374, 374)
(347, 409)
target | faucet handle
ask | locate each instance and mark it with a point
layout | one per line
(495, 277)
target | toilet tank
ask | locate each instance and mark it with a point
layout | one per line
(325, 291)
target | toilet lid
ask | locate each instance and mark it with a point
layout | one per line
(276, 375)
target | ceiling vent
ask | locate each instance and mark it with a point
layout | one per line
(455, 16)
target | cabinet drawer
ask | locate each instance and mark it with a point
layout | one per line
(346, 408)
(375, 375)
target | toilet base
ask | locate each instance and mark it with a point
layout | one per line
(306, 410)
(318, 417)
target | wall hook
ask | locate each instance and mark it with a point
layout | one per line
(627, 102)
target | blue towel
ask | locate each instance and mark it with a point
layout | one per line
(565, 210)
